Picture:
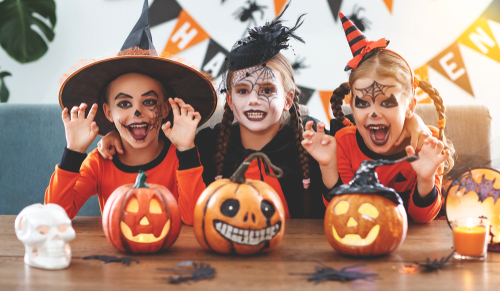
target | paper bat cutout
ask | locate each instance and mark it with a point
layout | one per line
(484, 189)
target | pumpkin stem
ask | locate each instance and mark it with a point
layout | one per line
(239, 174)
(140, 182)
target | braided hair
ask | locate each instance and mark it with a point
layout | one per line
(337, 99)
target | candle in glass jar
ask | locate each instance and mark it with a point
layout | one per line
(469, 241)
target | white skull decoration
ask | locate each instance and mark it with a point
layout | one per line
(45, 231)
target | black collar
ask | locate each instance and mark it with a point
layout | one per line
(135, 169)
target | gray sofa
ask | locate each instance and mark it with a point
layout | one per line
(32, 142)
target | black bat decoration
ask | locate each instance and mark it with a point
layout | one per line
(484, 189)
(436, 264)
(323, 273)
(201, 271)
(112, 259)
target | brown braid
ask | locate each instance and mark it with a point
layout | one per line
(225, 132)
(337, 99)
(441, 109)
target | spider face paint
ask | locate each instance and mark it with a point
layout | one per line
(376, 110)
(258, 97)
(137, 108)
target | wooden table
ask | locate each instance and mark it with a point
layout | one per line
(303, 245)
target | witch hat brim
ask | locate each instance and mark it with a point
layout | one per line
(86, 81)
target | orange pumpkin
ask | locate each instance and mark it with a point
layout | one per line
(141, 218)
(240, 216)
(476, 193)
(365, 218)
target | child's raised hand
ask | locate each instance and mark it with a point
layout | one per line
(429, 158)
(109, 145)
(416, 129)
(186, 120)
(322, 147)
(80, 131)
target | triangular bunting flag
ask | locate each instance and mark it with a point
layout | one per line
(305, 94)
(335, 8)
(450, 64)
(388, 3)
(325, 100)
(423, 74)
(187, 33)
(162, 11)
(480, 38)
(493, 11)
(278, 6)
(214, 59)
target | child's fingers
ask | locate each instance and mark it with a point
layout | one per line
(74, 112)
(166, 129)
(118, 146)
(308, 134)
(81, 111)
(196, 116)
(421, 139)
(410, 151)
(175, 107)
(320, 127)
(309, 125)
(181, 105)
(188, 107)
(440, 146)
(65, 115)
(325, 140)
(92, 112)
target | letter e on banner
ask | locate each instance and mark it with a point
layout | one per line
(449, 67)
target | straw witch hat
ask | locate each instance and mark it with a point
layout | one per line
(88, 79)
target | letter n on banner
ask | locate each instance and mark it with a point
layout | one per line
(187, 33)
(450, 64)
(325, 100)
(480, 38)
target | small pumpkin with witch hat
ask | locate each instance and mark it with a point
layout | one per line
(365, 218)
(141, 218)
(240, 216)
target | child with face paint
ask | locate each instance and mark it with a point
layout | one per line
(382, 86)
(134, 91)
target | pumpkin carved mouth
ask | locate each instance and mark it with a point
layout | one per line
(143, 237)
(250, 237)
(355, 239)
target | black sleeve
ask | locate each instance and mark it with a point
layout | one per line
(336, 125)
(71, 161)
(206, 141)
(188, 159)
(327, 191)
(427, 200)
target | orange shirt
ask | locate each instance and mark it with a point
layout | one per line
(101, 177)
(351, 151)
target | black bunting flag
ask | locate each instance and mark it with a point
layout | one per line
(214, 59)
(162, 11)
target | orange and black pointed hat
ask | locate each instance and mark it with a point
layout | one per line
(359, 44)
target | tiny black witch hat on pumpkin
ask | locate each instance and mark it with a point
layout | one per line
(365, 181)
(262, 44)
(86, 81)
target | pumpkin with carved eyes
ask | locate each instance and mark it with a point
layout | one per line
(365, 225)
(141, 218)
(240, 216)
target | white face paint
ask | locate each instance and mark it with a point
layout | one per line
(258, 97)
(45, 231)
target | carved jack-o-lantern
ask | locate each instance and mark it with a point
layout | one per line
(240, 216)
(365, 218)
(141, 218)
(476, 193)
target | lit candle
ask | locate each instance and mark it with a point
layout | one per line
(470, 240)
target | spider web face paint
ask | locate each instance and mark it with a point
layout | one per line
(258, 97)
(374, 90)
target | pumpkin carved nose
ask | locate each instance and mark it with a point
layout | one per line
(352, 222)
(144, 221)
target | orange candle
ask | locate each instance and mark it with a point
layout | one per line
(470, 241)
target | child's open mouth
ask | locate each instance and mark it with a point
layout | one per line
(255, 115)
(139, 131)
(379, 134)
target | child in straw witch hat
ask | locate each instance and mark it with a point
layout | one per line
(134, 93)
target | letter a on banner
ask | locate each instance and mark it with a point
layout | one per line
(187, 33)
(450, 64)
(214, 59)
(480, 38)
(325, 100)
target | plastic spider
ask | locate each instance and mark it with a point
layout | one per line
(361, 23)
(246, 14)
(323, 273)
(298, 64)
(436, 264)
(112, 259)
(202, 271)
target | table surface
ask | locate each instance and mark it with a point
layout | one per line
(304, 245)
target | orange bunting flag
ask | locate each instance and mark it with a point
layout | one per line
(278, 6)
(480, 38)
(187, 33)
(325, 100)
(450, 64)
(423, 74)
(388, 3)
